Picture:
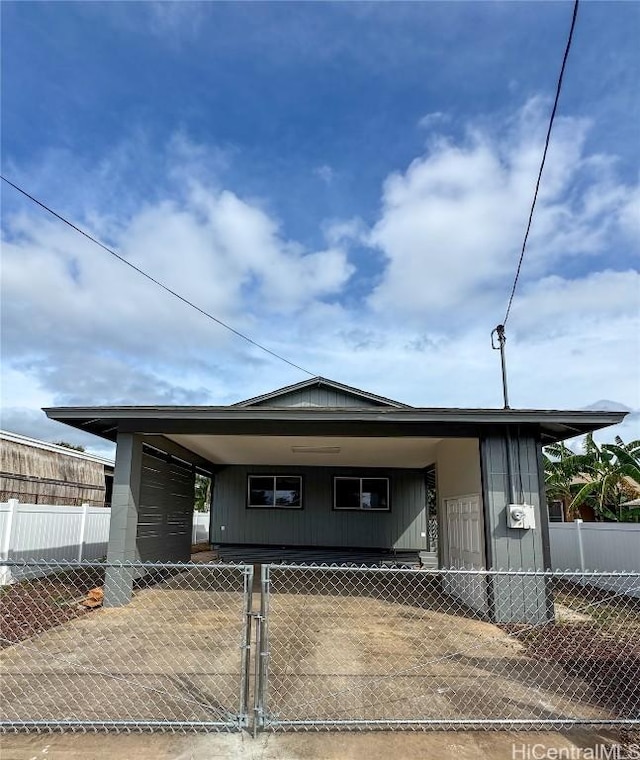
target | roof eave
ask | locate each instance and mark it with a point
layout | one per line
(107, 421)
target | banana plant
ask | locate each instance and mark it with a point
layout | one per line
(603, 477)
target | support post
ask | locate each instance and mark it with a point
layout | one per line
(509, 548)
(127, 477)
(502, 339)
(578, 523)
(83, 531)
(7, 541)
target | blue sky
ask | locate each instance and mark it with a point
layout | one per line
(347, 182)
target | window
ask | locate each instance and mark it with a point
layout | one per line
(279, 491)
(361, 493)
(556, 512)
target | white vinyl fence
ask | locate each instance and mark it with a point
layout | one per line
(610, 547)
(46, 532)
(200, 527)
(41, 531)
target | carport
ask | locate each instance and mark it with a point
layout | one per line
(323, 464)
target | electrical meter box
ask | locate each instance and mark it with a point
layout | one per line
(521, 516)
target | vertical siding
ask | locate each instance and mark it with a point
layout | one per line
(514, 598)
(317, 524)
(318, 397)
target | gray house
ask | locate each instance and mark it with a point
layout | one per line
(321, 464)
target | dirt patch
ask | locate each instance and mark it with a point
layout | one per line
(30, 607)
(609, 664)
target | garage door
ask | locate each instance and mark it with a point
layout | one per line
(465, 533)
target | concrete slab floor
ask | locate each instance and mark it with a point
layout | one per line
(468, 745)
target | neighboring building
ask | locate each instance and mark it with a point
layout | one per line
(560, 511)
(325, 465)
(37, 472)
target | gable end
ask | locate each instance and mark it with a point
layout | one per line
(321, 393)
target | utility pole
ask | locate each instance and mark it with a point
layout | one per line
(502, 339)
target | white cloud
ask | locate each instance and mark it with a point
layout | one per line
(176, 22)
(214, 249)
(553, 305)
(325, 173)
(629, 214)
(452, 224)
(346, 232)
(86, 329)
(433, 119)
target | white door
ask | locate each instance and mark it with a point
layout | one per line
(465, 540)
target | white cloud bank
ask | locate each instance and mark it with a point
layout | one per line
(452, 224)
(78, 327)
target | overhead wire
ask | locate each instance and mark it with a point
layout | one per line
(542, 163)
(499, 330)
(160, 284)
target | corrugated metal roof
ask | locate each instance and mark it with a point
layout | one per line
(35, 443)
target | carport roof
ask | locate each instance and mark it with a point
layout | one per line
(382, 421)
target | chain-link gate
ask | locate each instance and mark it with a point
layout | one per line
(171, 652)
(365, 648)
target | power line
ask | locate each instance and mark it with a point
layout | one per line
(544, 157)
(156, 282)
(499, 331)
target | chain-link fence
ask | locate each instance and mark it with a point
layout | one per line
(345, 648)
(168, 647)
(125, 646)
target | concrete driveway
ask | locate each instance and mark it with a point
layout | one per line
(470, 745)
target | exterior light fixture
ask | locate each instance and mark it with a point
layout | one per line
(315, 449)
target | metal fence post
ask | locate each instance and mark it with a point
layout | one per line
(7, 540)
(262, 653)
(246, 646)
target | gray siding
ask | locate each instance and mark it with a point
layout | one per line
(522, 599)
(317, 524)
(151, 515)
(165, 511)
(318, 397)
